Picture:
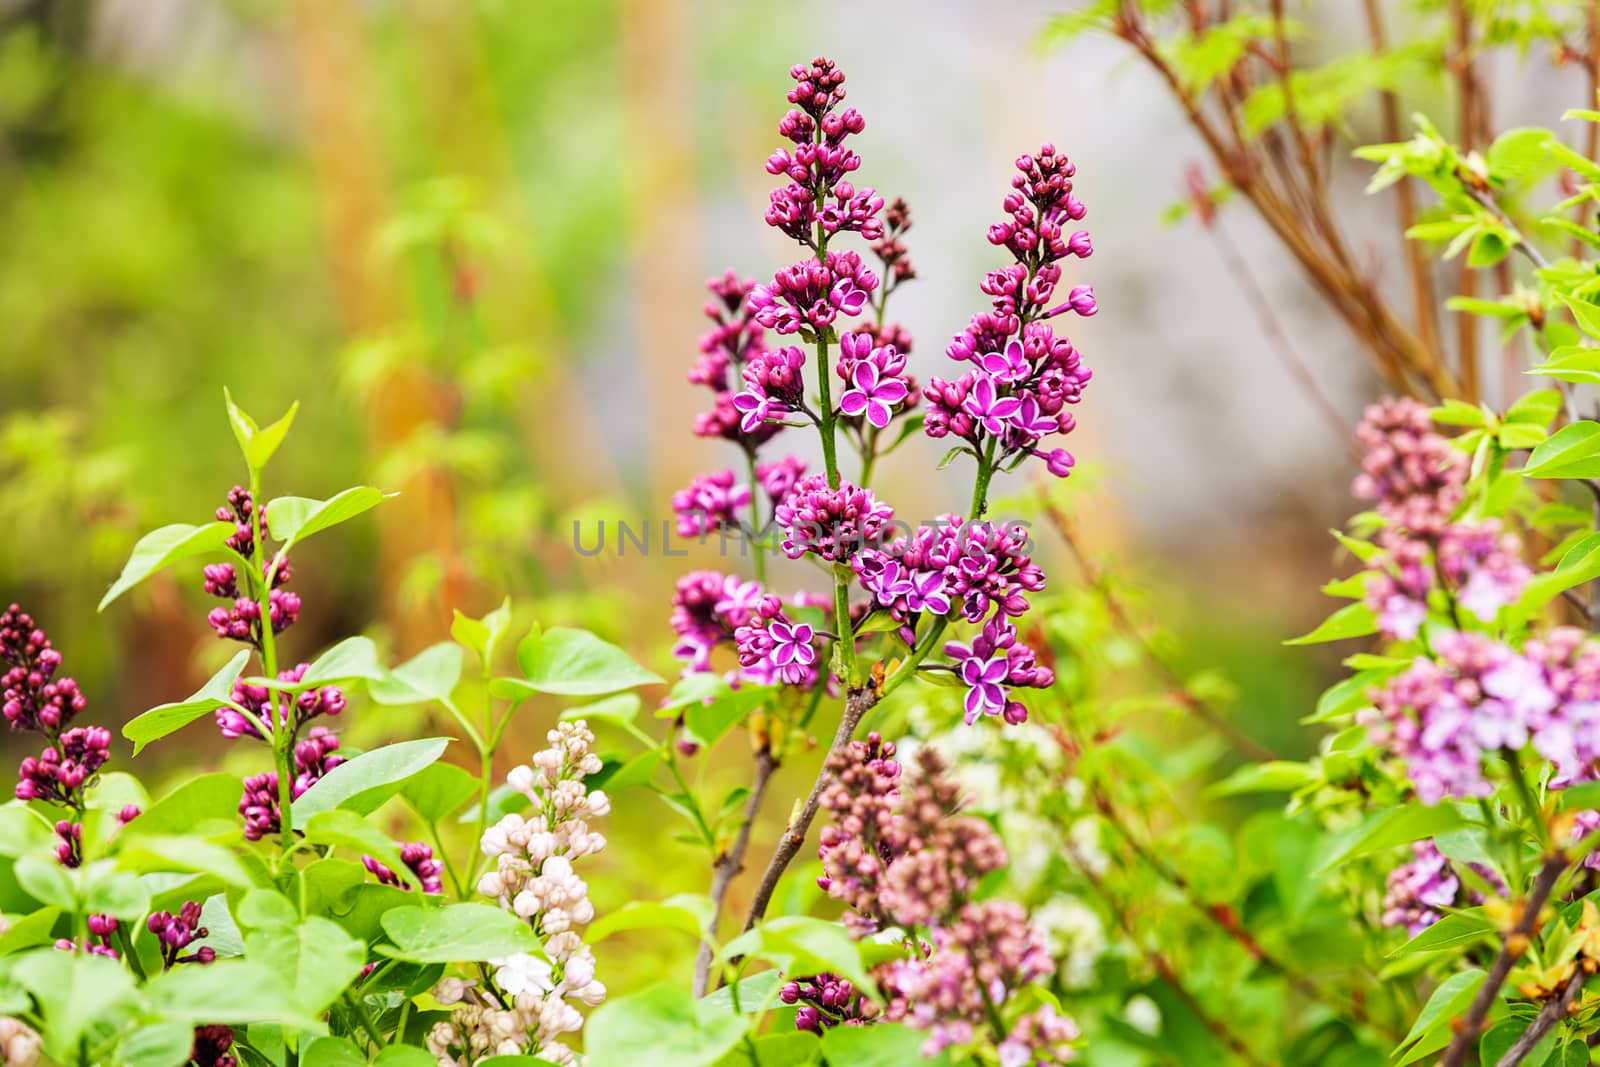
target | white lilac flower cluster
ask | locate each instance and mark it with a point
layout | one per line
(19, 1043)
(532, 877)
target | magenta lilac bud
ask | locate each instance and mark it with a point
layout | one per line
(213, 1047)
(419, 859)
(31, 696)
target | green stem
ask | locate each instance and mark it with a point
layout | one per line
(980, 486)
(1525, 792)
(282, 736)
(485, 771)
(360, 1012)
(444, 857)
(694, 806)
(758, 547)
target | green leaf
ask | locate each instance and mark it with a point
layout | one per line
(430, 675)
(227, 991)
(710, 717)
(792, 1049)
(569, 662)
(351, 659)
(295, 518)
(1571, 452)
(363, 783)
(47, 882)
(193, 803)
(345, 829)
(1498, 1041)
(1571, 363)
(76, 992)
(637, 771)
(315, 957)
(1518, 436)
(30, 931)
(1365, 551)
(662, 1027)
(141, 851)
(1352, 620)
(645, 915)
(1488, 248)
(408, 1056)
(455, 933)
(267, 440)
(1392, 827)
(23, 830)
(483, 635)
(1431, 1032)
(1455, 930)
(160, 721)
(800, 944)
(882, 1045)
(1536, 408)
(1274, 776)
(1586, 314)
(119, 894)
(1350, 694)
(755, 993)
(157, 1045)
(1580, 564)
(244, 427)
(438, 791)
(332, 1052)
(261, 908)
(620, 710)
(164, 547)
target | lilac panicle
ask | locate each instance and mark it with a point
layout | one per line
(1023, 376)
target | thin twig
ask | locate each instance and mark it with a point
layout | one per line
(1591, 63)
(1470, 1027)
(857, 703)
(1554, 1010)
(728, 864)
(1534, 256)
(1403, 360)
(1185, 697)
(1467, 327)
(1405, 195)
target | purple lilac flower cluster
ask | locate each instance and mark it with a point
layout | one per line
(910, 860)
(175, 933)
(293, 712)
(1417, 478)
(1420, 889)
(1022, 375)
(35, 700)
(826, 1000)
(419, 860)
(733, 351)
(973, 569)
(242, 620)
(1442, 716)
(830, 523)
(255, 711)
(314, 757)
(213, 1047)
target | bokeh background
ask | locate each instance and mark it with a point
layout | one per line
(470, 239)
